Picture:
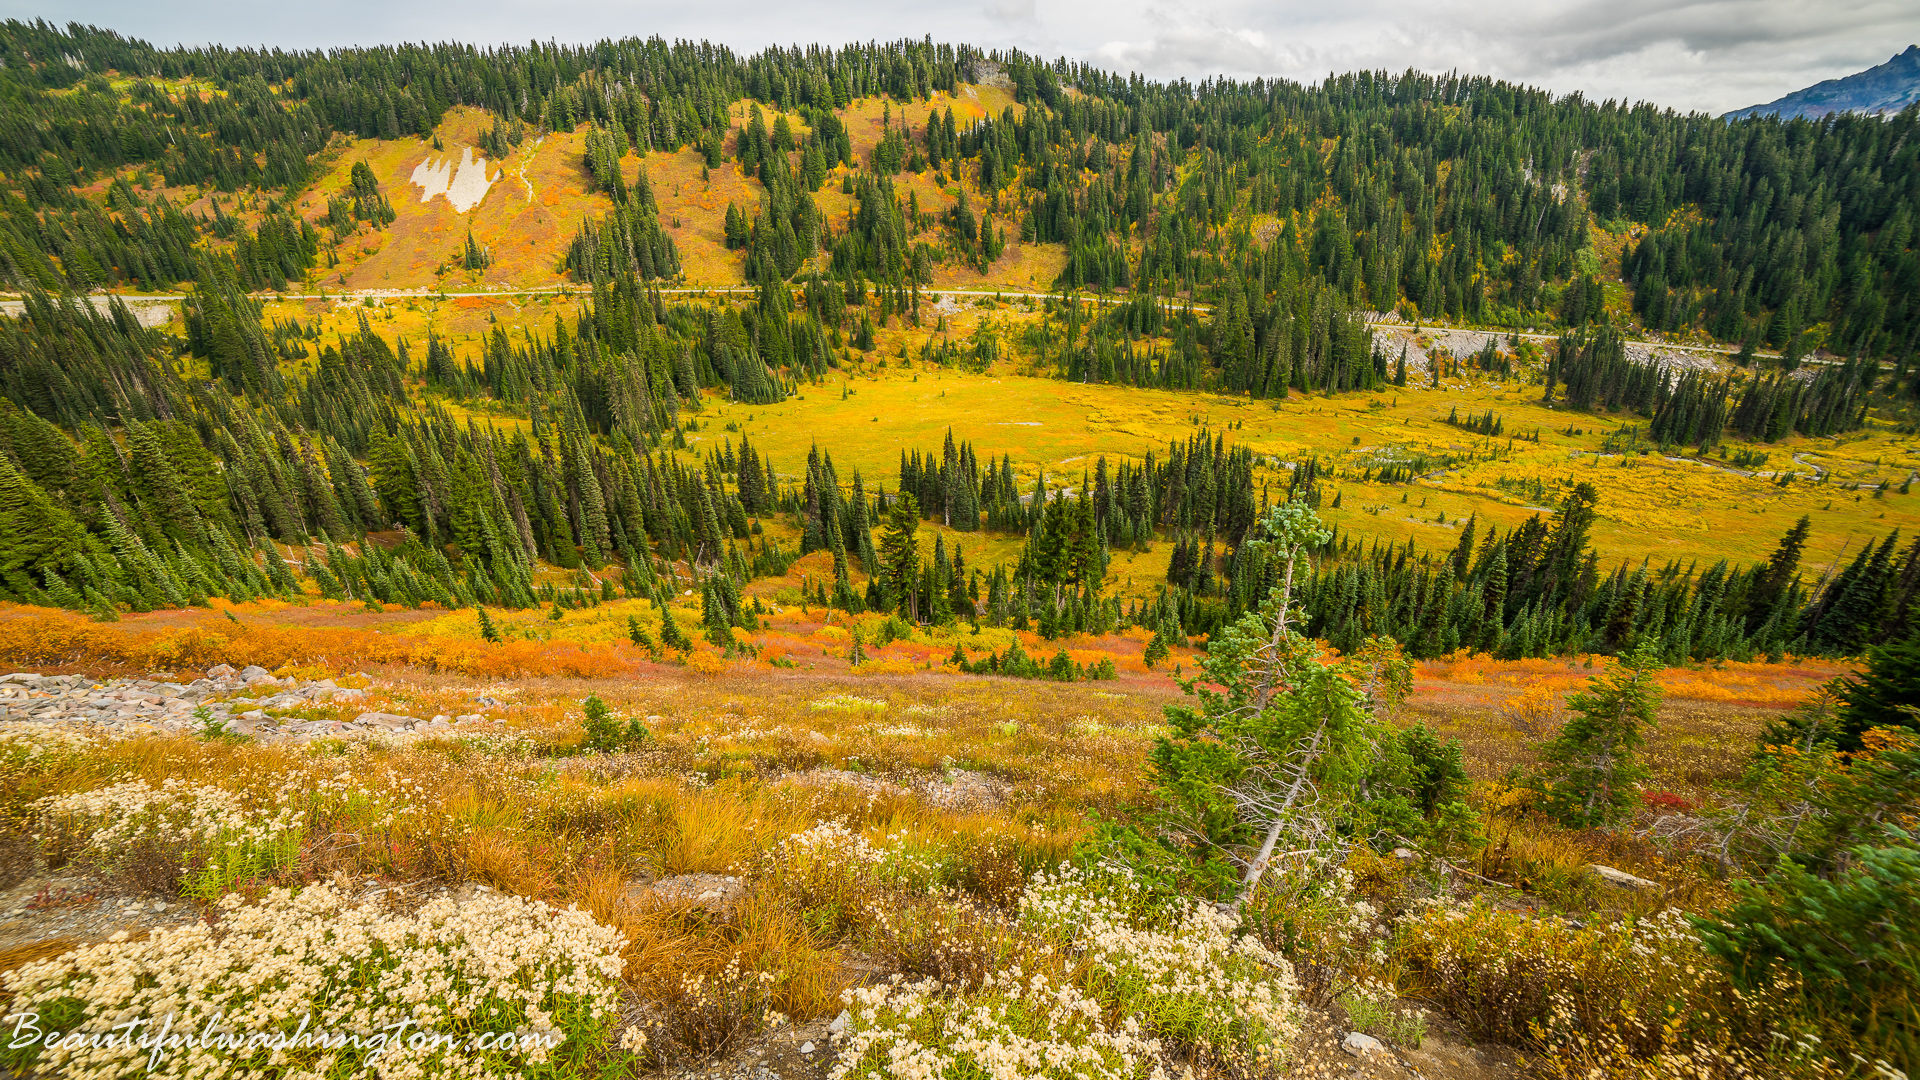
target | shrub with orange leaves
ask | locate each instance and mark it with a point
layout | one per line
(1731, 682)
(708, 664)
(890, 664)
(1534, 712)
(50, 639)
(1882, 740)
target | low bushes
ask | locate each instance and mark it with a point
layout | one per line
(1316, 917)
(1503, 974)
(1015, 1025)
(1852, 941)
(406, 991)
(39, 641)
(1180, 966)
(1638, 998)
(197, 839)
(1096, 976)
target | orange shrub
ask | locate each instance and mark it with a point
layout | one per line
(706, 663)
(1732, 682)
(889, 665)
(1535, 712)
(44, 638)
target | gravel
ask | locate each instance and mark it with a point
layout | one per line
(271, 710)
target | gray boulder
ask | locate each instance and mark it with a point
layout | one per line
(1620, 879)
(1361, 1045)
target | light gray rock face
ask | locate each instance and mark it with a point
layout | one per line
(713, 892)
(1620, 879)
(1362, 1045)
(224, 702)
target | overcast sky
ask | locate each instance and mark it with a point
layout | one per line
(1711, 55)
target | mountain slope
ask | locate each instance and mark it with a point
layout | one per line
(1881, 90)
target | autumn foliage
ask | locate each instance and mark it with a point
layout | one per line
(44, 639)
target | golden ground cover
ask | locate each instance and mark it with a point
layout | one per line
(462, 322)
(1650, 506)
(867, 413)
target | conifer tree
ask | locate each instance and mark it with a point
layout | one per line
(1493, 604)
(861, 528)
(1779, 572)
(1284, 738)
(639, 636)
(670, 633)
(1155, 652)
(1593, 768)
(900, 555)
(1884, 695)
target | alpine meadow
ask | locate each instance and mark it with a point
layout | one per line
(911, 561)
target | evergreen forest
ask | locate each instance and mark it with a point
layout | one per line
(1233, 238)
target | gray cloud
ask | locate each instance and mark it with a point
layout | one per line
(1021, 11)
(1708, 54)
(1711, 55)
(1187, 41)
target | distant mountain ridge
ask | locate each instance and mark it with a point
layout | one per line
(1881, 90)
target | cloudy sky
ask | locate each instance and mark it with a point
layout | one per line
(1711, 55)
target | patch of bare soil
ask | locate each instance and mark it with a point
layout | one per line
(712, 892)
(47, 912)
(1445, 1054)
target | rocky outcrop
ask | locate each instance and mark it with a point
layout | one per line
(248, 702)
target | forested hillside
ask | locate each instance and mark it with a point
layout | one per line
(1250, 231)
(1463, 196)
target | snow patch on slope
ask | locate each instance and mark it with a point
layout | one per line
(463, 185)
